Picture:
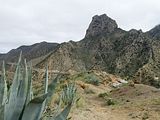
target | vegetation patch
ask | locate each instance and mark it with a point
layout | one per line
(87, 77)
(80, 102)
(103, 95)
(88, 90)
(145, 116)
(110, 101)
(156, 101)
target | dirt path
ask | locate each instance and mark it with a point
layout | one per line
(95, 109)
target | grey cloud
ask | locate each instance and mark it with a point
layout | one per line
(30, 21)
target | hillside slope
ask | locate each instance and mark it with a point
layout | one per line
(109, 48)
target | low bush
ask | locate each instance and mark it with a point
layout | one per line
(92, 79)
(103, 95)
(110, 101)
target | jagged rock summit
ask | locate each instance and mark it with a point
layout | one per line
(101, 25)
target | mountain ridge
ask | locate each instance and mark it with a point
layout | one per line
(108, 48)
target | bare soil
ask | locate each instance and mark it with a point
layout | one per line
(140, 102)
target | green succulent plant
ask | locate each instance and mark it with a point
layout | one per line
(18, 103)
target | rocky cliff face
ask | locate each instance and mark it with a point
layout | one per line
(149, 73)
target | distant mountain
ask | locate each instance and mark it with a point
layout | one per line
(29, 52)
(109, 48)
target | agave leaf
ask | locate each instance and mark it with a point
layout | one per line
(3, 87)
(16, 81)
(68, 93)
(18, 93)
(2, 112)
(64, 114)
(46, 80)
(29, 91)
(67, 97)
(45, 92)
(51, 88)
(33, 109)
(13, 93)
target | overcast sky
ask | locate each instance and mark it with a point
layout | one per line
(24, 22)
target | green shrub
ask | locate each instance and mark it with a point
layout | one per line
(103, 95)
(145, 116)
(110, 101)
(92, 79)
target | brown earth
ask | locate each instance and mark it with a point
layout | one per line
(140, 102)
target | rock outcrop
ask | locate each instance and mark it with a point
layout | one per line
(101, 25)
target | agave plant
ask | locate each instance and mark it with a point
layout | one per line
(19, 103)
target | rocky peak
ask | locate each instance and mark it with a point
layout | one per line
(155, 32)
(101, 24)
